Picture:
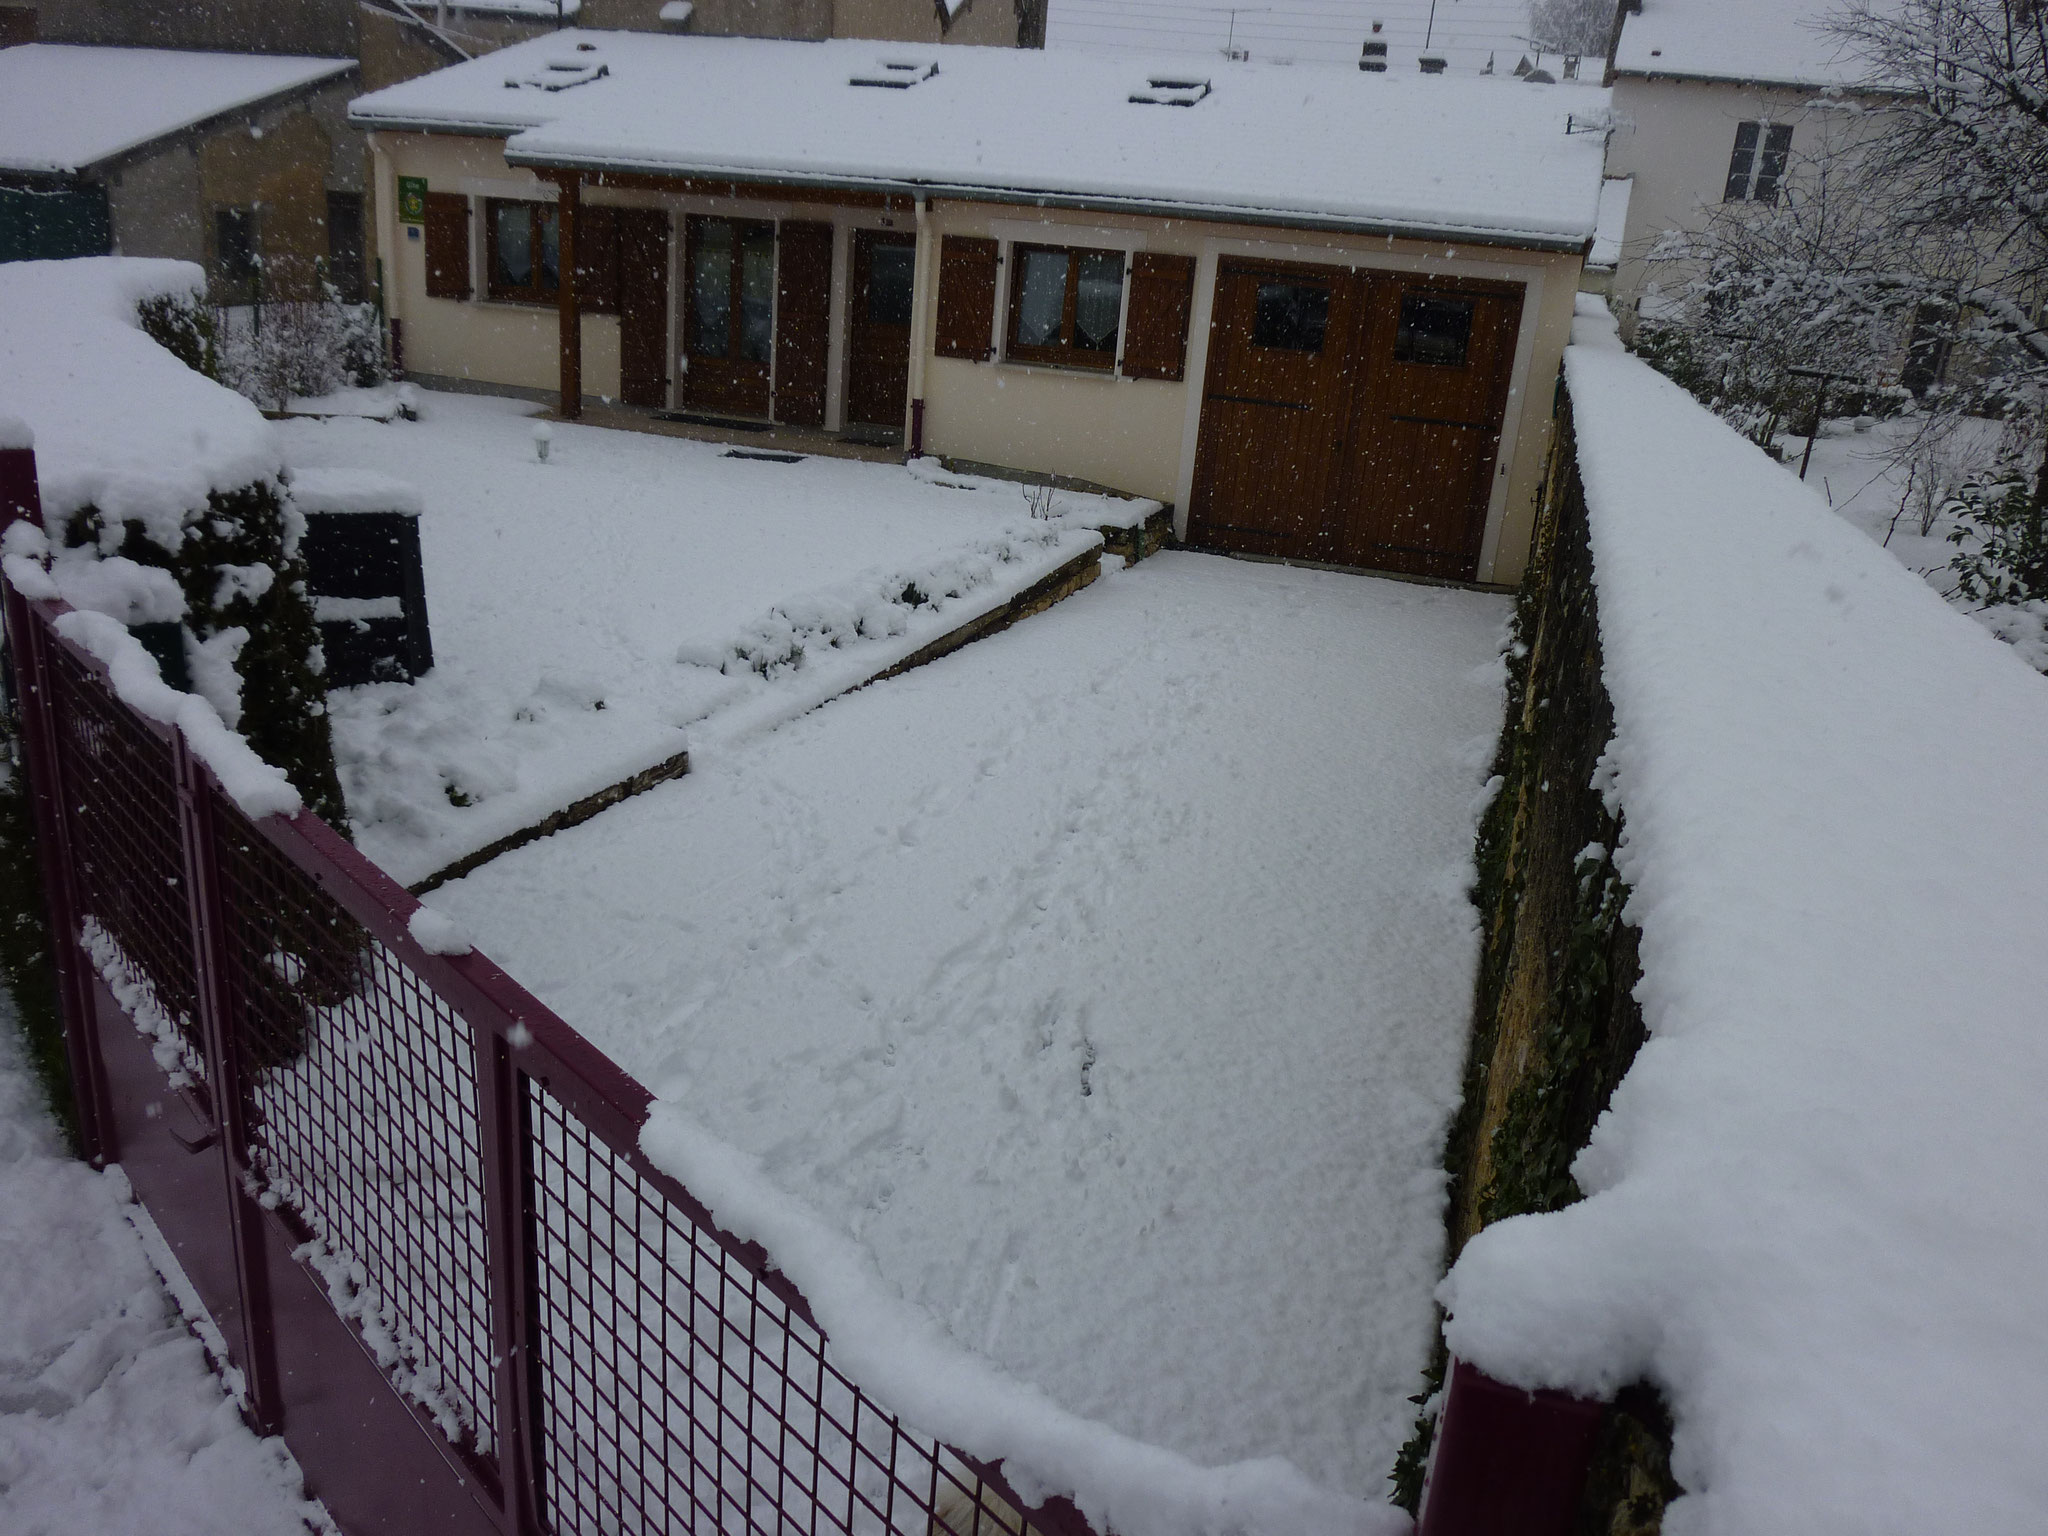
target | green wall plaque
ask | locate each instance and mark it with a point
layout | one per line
(412, 199)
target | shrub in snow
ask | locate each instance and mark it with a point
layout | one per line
(276, 352)
(251, 642)
(2002, 533)
(183, 327)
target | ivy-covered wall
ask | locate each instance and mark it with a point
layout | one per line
(1555, 1021)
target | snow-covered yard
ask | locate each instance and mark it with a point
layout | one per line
(1108, 980)
(110, 1419)
(588, 609)
(1868, 475)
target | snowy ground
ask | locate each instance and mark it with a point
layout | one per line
(587, 610)
(111, 1421)
(1108, 980)
(1858, 467)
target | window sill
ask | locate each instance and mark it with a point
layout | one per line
(1064, 370)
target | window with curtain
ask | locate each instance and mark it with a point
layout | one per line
(525, 256)
(1065, 305)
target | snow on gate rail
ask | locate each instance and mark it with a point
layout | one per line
(577, 1337)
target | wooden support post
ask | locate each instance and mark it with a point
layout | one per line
(571, 405)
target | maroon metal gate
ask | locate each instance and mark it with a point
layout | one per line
(410, 1196)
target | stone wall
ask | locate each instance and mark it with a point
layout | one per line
(1555, 1021)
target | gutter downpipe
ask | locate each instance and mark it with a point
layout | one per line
(920, 332)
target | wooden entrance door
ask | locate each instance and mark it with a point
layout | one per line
(1276, 410)
(878, 328)
(643, 306)
(1353, 417)
(729, 316)
(1439, 359)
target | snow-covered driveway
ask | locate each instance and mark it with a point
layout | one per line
(1108, 979)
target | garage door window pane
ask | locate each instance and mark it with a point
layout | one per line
(1045, 298)
(1291, 316)
(1434, 331)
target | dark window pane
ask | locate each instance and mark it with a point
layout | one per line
(234, 245)
(1771, 166)
(1291, 316)
(550, 247)
(1043, 300)
(890, 276)
(514, 227)
(1098, 299)
(1741, 163)
(757, 292)
(711, 288)
(345, 245)
(1433, 331)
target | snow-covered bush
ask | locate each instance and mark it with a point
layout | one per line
(276, 352)
(141, 456)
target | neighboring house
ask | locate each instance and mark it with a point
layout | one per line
(403, 39)
(1464, 36)
(1321, 315)
(1717, 101)
(243, 162)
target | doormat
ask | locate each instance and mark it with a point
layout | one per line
(763, 456)
(729, 423)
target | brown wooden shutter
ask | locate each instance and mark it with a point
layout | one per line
(1162, 298)
(597, 259)
(967, 298)
(447, 246)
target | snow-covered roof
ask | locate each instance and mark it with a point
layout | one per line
(1614, 197)
(1472, 159)
(1769, 42)
(533, 10)
(65, 108)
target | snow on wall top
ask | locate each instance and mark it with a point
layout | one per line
(119, 423)
(1778, 42)
(1473, 158)
(65, 108)
(1813, 1211)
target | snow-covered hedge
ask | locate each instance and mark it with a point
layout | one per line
(1813, 1214)
(142, 458)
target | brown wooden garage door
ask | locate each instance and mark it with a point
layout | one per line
(1352, 417)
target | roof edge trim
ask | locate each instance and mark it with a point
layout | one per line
(1226, 213)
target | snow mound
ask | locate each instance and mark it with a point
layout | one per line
(351, 490)
(1813, 1208)
(119, 423)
